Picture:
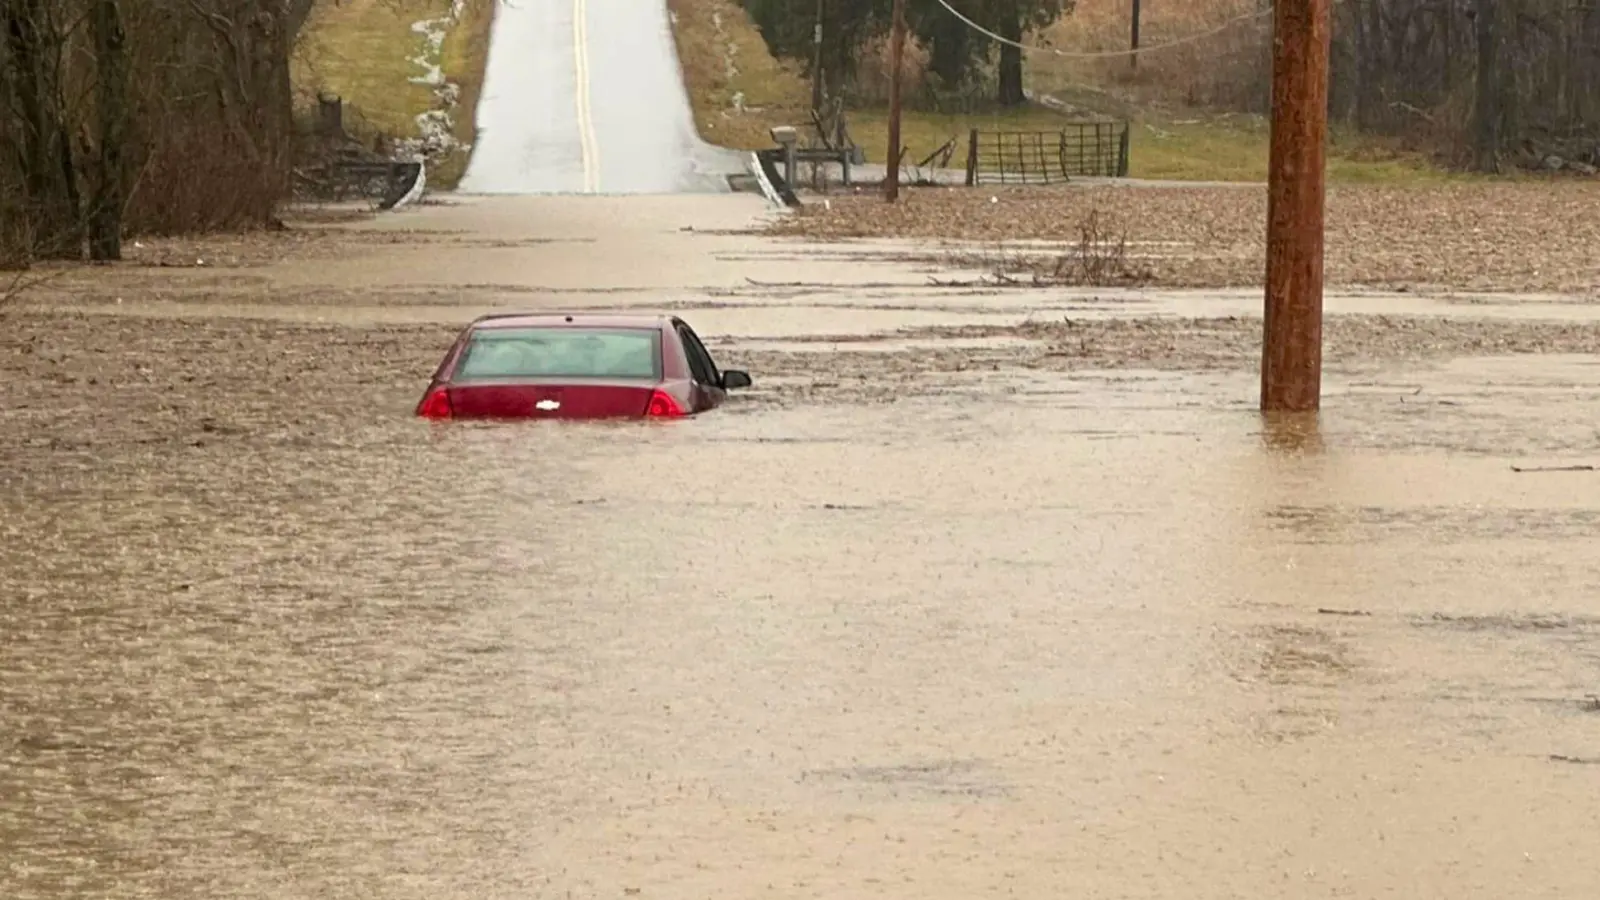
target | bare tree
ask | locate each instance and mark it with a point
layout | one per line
(36, 40)
(1488, 82)
(159, 116)
(1486, 124)
(111, 71)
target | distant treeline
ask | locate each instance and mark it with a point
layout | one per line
(151, 116)
(1482, 79)
(956, 52)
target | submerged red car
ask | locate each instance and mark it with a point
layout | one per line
(542, 366)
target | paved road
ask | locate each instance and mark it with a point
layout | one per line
(585, 96)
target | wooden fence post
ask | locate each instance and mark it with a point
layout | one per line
(972, 158)
(330, 115)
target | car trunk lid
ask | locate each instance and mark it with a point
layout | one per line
(550, 400)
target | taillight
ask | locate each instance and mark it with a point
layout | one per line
(436, 405)
(662, 406)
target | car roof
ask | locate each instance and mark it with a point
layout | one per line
(570, 320)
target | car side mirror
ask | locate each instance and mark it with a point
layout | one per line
(733, 379)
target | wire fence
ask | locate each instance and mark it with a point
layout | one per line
(1078, 149)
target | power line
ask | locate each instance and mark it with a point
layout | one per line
(1106, 54)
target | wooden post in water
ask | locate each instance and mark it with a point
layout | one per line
(897, 54)
(1291, 357)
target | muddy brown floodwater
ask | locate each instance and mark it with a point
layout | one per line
(1031, 603)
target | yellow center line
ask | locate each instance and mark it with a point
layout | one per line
(586, 137)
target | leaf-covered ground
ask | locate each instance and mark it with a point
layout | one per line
(1509, 236)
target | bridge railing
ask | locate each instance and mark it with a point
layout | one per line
(384, 183)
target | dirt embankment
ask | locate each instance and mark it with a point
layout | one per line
(1535, 236)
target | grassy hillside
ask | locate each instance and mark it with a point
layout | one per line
(367, 52)
(738, 91)
(1200, 55)
(725, 61)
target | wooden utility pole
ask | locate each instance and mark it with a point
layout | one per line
(1133, 40)
(897, 53)
(1291, 357)
(896, 60)
(816, 63)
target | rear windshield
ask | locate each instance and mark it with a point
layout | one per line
(561, 353)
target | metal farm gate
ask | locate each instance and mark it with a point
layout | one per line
(1079, 149)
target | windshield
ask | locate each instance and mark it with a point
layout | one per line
(562, 353)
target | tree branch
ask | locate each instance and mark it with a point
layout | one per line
(22, 282)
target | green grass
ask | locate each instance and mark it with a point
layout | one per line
(1235, 148)
(711, 35)
(464, 55)
(362, 51)
(1218, 149)
(921, 133)
(1167, 146)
